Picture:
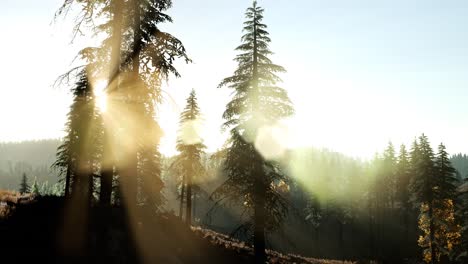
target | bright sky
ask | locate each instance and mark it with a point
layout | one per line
(360, 73)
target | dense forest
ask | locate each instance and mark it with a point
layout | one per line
(114, 196)
(329, 203)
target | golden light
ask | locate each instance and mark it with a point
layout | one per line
(271, 140)
(190, 132)
(100, 93)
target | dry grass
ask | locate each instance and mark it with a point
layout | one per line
(8, 198)
(241, 247)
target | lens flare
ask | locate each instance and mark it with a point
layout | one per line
(100, 93)
(190, 132)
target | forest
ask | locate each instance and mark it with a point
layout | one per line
(106, 193)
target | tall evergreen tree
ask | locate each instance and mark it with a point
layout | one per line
(135, 58)
(434, 190)
(188, 163)
(389, 166)
(24, 187)
(403, 172)
(78, 156)
(257, 102)
(424, 183)
(447, 176)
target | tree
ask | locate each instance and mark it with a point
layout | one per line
(257, 103)
(423, 187)
(134, 59)
(389, 166)
(443, 233)
(434, 190)
(447, 176)
(403, 178)
(188, 163)
(462, 213)
(78, 156)
(35, 187)
(24, 187)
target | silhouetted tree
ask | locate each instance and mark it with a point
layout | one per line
(24, 187)
(424, 183)
(188, 164)
(403, 178)
(78, 156)
(135, 58)
(447, 179)
(434, 190)
(257, 102)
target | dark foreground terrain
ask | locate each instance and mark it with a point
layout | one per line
(34, 229)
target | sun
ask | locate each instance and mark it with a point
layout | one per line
(100, 93)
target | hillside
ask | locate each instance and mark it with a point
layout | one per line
(166, 241)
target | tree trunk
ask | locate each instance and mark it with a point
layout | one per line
(259, 218)
(188, 209)
(105, 193)
(406, 224)
(129, 183)
(340, 239)
(182, 193)
(90, 188)
(67, 181)
(259, 232)
(259, 186)
(194, 204)
(316, 241)
(107, 169)
(431, 232)
(371, 234)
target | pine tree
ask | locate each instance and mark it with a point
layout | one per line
(447, 177)
(35, 187)
(148, 58)
(257, 102)
(434, 189)
(79, 153)
(423, 188)
(389, 166)
(135, 58)
(188, 163)
(24, 187)
(403, 172)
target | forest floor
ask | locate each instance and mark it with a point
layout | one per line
(31, 228)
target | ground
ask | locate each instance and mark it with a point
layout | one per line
(32, 228)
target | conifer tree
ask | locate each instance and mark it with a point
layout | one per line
(434, 190)
(424, 183)
(257, 101)
(188, 164)
(462, 214)
(403, 172)
(447, 177)
(35, 187)
(389, 166)
(24, 187)
(79, 153)
(147, 59)
(135, 58)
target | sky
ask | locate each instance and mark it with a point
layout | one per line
(360, 73)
